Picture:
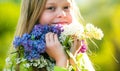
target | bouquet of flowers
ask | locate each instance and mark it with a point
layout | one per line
(30, 48)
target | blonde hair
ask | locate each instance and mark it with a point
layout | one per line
(30, 13)
(76, 13)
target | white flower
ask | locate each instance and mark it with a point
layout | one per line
(23, 59)
(8, 60)
(27, 65)
(93, 32)
(18, 60)
(6, 69)
(75, 29)
(35, 64)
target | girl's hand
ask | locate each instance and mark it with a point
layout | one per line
(75, 46)
(74, 49)
(55, 49)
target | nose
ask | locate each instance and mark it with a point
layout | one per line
(61, 14)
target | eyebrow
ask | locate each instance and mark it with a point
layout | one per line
(55, 3)
(51, 4)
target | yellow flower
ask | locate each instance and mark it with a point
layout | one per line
(93, 32)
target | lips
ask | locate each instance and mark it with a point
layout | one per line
(62, 23)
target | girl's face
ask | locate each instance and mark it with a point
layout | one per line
(56, 12)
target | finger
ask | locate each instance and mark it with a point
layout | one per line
(75, 45)
(51, 37)
(56, 38)
(78, 44)
(47, 37)
(75, 42)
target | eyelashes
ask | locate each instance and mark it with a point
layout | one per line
(66, 7)
(53, 8)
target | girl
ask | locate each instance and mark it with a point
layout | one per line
(50, 12)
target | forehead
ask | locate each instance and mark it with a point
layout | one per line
(58, 1)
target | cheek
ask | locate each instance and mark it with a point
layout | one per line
(70, 19)
(44, 19)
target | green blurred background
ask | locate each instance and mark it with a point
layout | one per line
(104, 14)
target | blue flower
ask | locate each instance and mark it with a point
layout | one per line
(17, 41)
(34, 43)
(57, 29)
(36, 31)
(41, 46)
(31, 55)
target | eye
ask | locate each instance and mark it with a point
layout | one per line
(51, 8)
(66, 7)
